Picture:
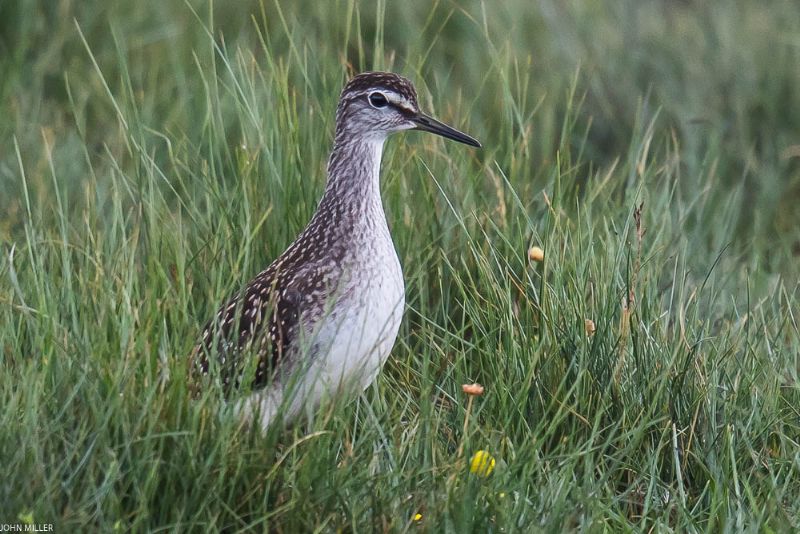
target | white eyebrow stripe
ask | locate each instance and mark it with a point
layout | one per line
(398, 100)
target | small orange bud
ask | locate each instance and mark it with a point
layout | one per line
(472, 389)
(589, 326)
(536, 254)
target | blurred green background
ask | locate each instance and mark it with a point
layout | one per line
(721, 76)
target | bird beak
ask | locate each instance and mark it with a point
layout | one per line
(429, 124)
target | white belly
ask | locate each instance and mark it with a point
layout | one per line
(350, 344)
(361, 332)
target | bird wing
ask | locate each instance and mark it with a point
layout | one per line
(262, 319)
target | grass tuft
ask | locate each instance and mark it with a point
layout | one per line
(154, 156)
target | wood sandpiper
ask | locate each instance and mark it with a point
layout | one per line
(324, 316)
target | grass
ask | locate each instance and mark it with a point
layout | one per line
(154, 156)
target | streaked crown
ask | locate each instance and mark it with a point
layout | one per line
(401, 90)
(376, 103)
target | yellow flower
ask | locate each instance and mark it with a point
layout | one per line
(417, 517)
(482, 464)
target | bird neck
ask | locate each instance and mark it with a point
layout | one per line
(354, 175)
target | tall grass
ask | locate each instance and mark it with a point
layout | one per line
(154, 156)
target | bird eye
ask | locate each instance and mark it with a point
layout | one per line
(378, 100)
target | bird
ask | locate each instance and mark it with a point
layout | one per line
(323, 317)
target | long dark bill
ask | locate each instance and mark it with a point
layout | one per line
(429, 124)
